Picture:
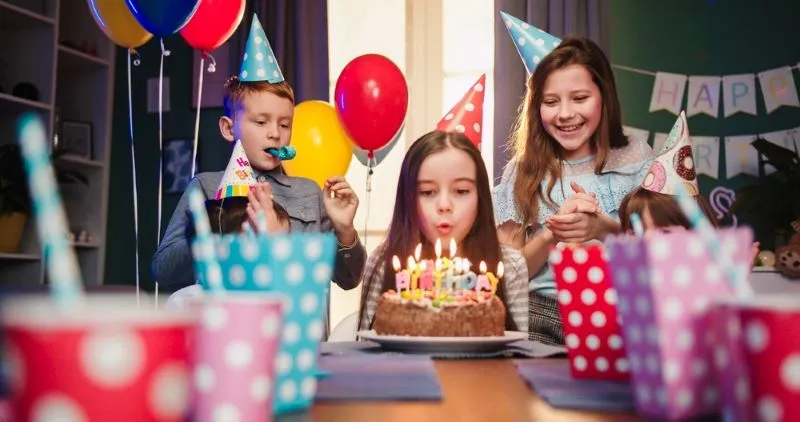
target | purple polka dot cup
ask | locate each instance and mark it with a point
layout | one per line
(105, 360)
(665, 284)
(237, 343)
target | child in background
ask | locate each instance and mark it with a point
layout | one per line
(571, 168)
(259, 107)
(443, 192)
(655, 200)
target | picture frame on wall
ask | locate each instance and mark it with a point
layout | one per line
(177, 160)
(213, 82)
(76, 139)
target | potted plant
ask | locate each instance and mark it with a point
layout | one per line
(775, 200)
(15, 202)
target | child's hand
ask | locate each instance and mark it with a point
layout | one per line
(575, 227)
(580, 201)
(260, 200)
(341, 203)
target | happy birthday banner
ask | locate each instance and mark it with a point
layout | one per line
(738, 91)
(741, 157)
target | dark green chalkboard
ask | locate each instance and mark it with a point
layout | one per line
(705, 37)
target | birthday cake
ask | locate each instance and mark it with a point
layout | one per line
(441, 298)
(464, 313)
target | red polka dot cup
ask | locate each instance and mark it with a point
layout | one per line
(770, 342)
(106, 360)
(666, 283)
(236, 345)
(587, 303)
(729, 361)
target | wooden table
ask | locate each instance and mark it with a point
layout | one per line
(474, 390)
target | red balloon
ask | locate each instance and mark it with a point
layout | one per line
(371, 98)
(213, 23)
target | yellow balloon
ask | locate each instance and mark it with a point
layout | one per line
(118, 23)
(323, 148)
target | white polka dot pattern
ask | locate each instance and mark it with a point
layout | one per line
(589, 305)
(466, 116)
(665, 286)
(254, 67)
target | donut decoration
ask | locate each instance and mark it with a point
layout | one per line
(656, 177)
(683, 162)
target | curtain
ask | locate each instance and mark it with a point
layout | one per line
(587, 18)
(298, 33)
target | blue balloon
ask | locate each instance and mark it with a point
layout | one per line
(161, 17)
(379, 154)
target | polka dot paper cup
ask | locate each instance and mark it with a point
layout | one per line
(665, 284)
(237, 344)
(730, 366)
(105, 361)
(298, 267)
(587, 303)
(770, 342)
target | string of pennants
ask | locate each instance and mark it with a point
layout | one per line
(738, 92)
(740, 156)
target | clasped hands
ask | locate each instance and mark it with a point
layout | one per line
(579, 219)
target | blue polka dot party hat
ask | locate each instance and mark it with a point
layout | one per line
(297, 267)
(259, 62)
(532, 43)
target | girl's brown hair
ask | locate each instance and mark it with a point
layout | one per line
(481, 242)
(663, 209)
(538, 154)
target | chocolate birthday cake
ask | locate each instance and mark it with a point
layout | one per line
(462, 313)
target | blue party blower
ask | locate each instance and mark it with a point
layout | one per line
(297, 266)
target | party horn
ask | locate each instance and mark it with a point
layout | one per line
(283, 153)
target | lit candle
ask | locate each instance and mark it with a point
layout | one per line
(413, 270)
(494, 280)
(401, 277)
(426, 279)
(452, 248)
(437, 275)
(483, 280)
(417, 251)
(455, 275)
(470, 280)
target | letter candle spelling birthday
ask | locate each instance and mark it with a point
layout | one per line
(470, 280)
(426, 277)
(413, 270)
(494, 280)
(401, 278)
(483, 280)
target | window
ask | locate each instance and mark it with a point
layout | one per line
(442, 47)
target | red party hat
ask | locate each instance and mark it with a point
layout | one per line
(467, 115)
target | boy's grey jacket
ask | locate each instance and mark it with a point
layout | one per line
(172, 264)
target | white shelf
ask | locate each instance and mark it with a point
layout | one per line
(79, 161)
(18, 257)
(70, 58)
(9, 102)
(16, 17)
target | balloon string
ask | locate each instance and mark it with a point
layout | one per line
(197, 115)
(133, 170)
(370, 165)
(164, 53)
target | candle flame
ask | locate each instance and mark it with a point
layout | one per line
(423, 266)
(438, 248)
(500, 269)
(418, 251)
(410, 262)
(483, 267)
(465, 265)
(438, 264)
(396, 263)
(457, 265)
(452, 247)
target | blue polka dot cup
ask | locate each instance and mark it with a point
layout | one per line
(297, 267)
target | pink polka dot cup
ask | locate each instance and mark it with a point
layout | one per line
(729, 361)
(236, 346)
(587, 303)
(666, 283)
(104, 361)
(770, 342)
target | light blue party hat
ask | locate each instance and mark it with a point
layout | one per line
(259, 62)
(532, 43)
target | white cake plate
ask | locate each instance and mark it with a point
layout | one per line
(412, 344)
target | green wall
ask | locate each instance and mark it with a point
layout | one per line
(178, 123)
(705, 37)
